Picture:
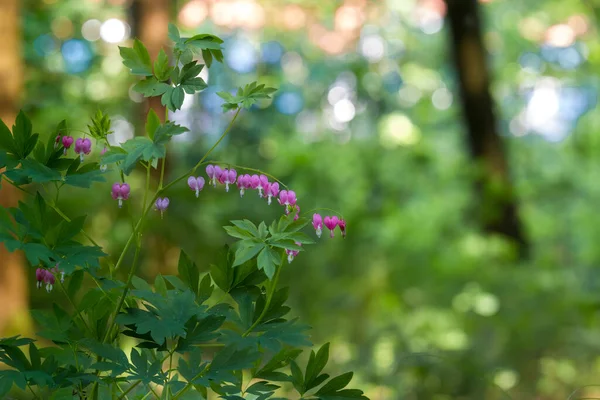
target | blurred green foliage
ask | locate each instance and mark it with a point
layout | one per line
(419, 302)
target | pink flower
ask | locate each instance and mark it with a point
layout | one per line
(57, 142)
(213, 172)
(83, 146)
(161, 205)
(67, 141)
(244, 182)
(271, 190)
(259, 182)
(228, 177)
(318, 224)
(287, 198)
(297, 213)
(196, 184)
(331, 223)
(48, 280)
(292, 253)
(40, 273)
(120, 192)
(342, 225)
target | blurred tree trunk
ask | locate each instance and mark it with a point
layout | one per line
(13, 283)
(151, 23)
(497, 204)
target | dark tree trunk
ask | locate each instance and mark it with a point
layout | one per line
(497, 206)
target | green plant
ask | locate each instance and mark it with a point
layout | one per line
(187, 342)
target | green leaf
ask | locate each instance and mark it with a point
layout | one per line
(297, 379)
(164, 132)
(246, 96)
(188, 271)
(137, 59)
(177, 96)
(24, 140)
(160, 286)
(247, 226)
(152, 123)
(246, 251)
(267, 261)
(151, 87)
(162, 70)
(189, 80)
(75, 281)
(200, 331)
(335, 384)
(100, 127)
(174, 33)
(70, 229)
(38, 172)
(315, 365)
(145, 371)
(37, 253)
(6, 140)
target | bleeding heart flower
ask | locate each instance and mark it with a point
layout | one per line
(161, 205)
(318, 224)
(271, 190)
(331, 223)
(120, 192)
(67, 142)
(196, 184)
(83, 146)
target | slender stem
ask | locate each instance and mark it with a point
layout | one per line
(199, 163)
(325, 209)
(153, 392)
(124, 395)
(75, 307)
(147, 186)
(168, 388)
(32, 392)
(125, 290)
(162, 173)
(138, 382)
(189, 384)
(272, 287)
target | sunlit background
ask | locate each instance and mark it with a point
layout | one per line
(367, 120)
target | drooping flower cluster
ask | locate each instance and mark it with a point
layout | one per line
(266, 189)
(83, 146)
(120, 192)
(45, 276)
(330, 222)
(292, 253)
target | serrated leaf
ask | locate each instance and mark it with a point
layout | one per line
(162, 70)
(335, 384)
(151, 87)
(188, 271)
(246, 251)
(152, 123)
(137, 59)
(268, 260)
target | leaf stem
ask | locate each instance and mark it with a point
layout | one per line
(189, 384)
(75, 307)
(199, 163)
(125, 290)
(272, 287)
